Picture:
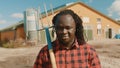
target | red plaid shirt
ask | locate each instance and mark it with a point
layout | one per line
(79, 56)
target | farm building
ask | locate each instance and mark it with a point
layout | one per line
(96, 25)
(13, 32)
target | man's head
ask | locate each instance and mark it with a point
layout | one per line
(68, 26)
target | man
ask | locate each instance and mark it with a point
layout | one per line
(70, 48)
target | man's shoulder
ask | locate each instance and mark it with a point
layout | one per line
(89, 46)
(45, 48)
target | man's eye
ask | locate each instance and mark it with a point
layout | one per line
(68, 27)
(59, 28)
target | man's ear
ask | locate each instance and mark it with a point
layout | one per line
(53, 32)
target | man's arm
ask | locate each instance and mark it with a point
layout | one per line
(94, 59)
(38, 62)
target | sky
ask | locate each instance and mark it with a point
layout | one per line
(11, 11)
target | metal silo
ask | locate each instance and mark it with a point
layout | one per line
(31, 24)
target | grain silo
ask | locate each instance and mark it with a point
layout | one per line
(31, 24)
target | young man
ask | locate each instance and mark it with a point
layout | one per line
(70, 48)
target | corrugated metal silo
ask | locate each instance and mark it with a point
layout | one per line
(31, 24)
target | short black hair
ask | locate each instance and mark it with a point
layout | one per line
(78, 21)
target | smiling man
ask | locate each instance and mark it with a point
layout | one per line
(65, 29)
(70, 48)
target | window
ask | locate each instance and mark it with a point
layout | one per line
(98, 20)
(85, 19)
(99, 30)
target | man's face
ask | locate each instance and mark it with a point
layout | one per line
(65, 29)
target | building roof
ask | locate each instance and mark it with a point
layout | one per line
(72, 4)
(12, 27)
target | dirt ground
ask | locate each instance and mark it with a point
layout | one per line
(108, 51)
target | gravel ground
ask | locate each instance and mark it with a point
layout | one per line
(108, 51)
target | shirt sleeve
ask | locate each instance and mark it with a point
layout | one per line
(38, 61)
(94, 59)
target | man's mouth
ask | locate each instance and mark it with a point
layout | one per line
(64, 37)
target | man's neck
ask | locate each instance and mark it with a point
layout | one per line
(69, 45)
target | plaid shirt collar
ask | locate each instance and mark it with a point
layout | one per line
(59, 46)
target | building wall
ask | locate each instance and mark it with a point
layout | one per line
(47, 20)
(20, 32)
(12, 34)
(90, 26)
(7, 35)
(92, 15)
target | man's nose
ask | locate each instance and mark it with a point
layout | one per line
(64, 31)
